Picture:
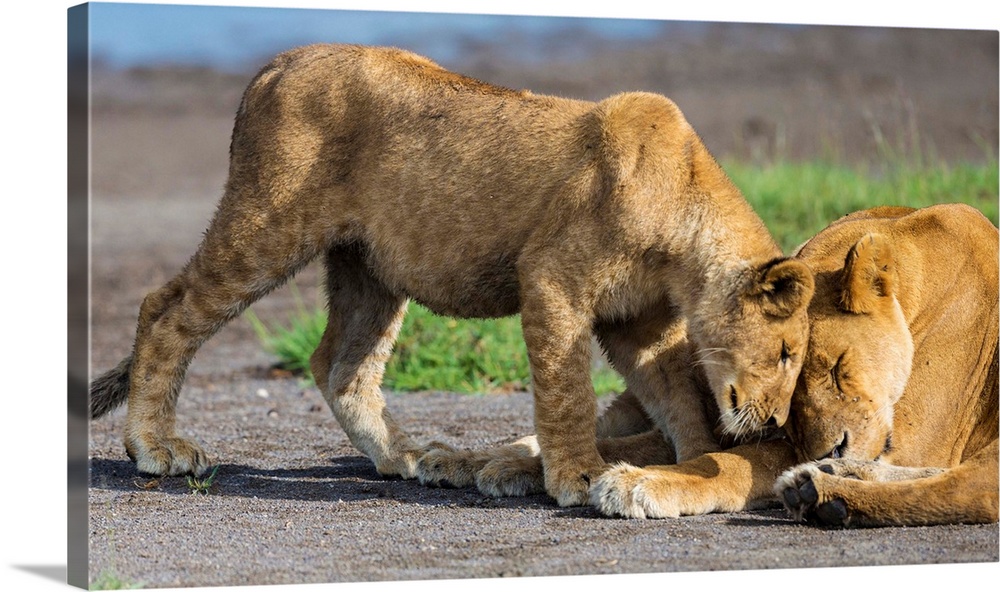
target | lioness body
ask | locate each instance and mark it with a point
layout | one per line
(898, 393)
(912, 349)
(416, 183)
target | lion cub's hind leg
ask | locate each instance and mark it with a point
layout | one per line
(348, 365)
(231, 269)
(163, 349)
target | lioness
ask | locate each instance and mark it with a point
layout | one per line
(897, 395)
(902, 370)
(413, 182)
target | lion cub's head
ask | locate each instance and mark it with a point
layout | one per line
(859, 358)
(751, 341)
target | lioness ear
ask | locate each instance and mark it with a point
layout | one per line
(869, 274)
(784, 287)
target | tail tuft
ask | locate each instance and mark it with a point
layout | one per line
(110, 389)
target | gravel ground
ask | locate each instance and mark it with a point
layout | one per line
(294, 495)
(293, 501)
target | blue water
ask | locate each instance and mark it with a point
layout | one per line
(237, 38)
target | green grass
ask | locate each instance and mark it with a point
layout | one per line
(795, 200)
(202, 486)
(798, 200)
(109, 580)
(431, 353)
(468, 356)
(293, 342)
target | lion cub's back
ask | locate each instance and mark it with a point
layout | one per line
(442, 177)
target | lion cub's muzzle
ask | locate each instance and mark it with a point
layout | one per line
(745, 416)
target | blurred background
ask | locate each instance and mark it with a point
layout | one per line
(754, 91)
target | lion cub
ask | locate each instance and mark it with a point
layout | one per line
(413, 182)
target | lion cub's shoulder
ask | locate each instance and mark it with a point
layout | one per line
(632, 118)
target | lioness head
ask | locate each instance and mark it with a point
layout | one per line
(751, 341)
(859, 358)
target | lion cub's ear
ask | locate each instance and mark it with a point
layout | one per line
(869, 275)
(784, 286)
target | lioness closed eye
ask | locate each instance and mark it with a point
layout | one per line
(412, 182)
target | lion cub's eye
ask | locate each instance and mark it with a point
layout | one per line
(785, 354)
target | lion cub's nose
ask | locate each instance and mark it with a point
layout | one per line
(778, 418)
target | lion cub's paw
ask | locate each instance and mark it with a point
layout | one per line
(404, 457)
(167, 456)
(801, 490)
(512, 477)
(625, 491)
(444, 466)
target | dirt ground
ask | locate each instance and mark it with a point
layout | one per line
(295, 503)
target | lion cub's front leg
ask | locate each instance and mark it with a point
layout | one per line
(557, 331)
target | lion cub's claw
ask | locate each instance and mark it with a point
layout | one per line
(570, 494)
(571, 487)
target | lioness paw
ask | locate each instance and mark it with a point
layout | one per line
(801, 490)
(624, 491)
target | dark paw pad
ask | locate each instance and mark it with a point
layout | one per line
(792, 498)
(832, 513)
(807, 492)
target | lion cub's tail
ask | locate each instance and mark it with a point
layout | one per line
(110, 389)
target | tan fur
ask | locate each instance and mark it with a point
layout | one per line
(903, 343)
(417, 183)
(904, 371)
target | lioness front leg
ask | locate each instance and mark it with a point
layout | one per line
(364, 320)
(848, 493)
(727, 481)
